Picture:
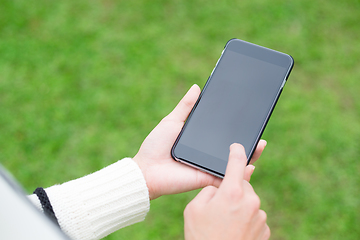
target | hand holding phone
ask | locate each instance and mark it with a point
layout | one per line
(162, 174)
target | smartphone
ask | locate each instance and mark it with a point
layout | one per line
(233, 107)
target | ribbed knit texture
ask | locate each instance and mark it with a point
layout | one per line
(98, 204)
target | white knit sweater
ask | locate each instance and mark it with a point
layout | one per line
(98, 204)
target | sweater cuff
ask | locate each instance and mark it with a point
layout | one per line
(98, 204)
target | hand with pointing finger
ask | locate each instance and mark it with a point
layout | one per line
(231, 211)
(163, 174)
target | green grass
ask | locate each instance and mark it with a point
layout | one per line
(82, 83)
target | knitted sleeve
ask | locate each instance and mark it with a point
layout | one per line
(98, 204)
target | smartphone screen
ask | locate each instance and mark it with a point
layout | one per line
(234, 105)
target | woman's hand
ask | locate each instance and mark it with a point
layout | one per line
(163, 174)
(230, 212)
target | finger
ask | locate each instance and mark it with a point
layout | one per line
(236, 165)
(267, 233)
(260, 226)
(258, 151)
(205, 179)
(248, 188)
(206, 194)
(203, 197)
(182, 110)
(249, 170)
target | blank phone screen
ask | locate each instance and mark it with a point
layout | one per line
(233, 108)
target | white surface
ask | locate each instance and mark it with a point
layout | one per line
(19, 219)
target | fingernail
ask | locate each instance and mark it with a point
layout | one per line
(252, 168)
(193, 86)
(190, 88)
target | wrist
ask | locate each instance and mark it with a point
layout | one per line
(144, 170)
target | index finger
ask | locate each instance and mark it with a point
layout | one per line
(236, 165)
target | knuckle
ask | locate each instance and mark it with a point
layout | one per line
(236, 194)
(188, 104)
(253, 203)
(190, 208)
(267, 233)
(188, 211)
(263, 216)
(256, 202)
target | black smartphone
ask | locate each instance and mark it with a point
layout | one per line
(233, 107)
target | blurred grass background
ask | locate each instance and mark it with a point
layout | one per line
(82, 83)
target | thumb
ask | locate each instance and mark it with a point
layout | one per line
(182, 110)
(249, 170)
